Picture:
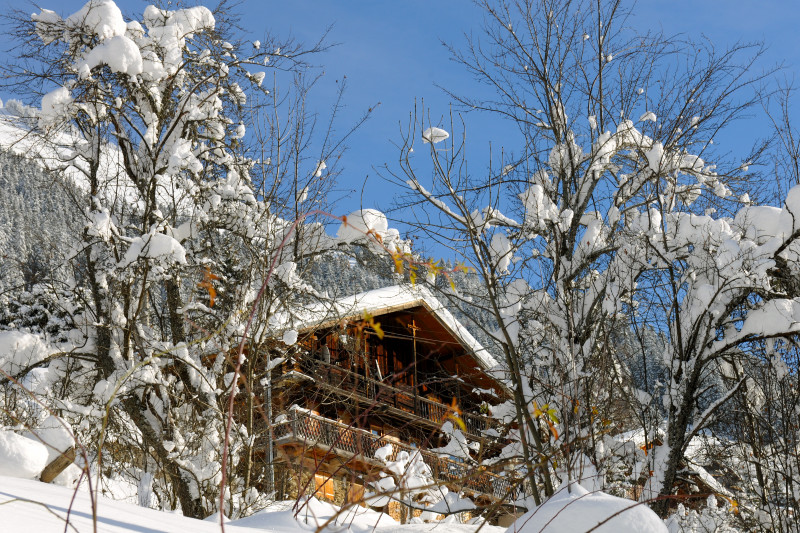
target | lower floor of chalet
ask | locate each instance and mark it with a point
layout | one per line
(308, 444)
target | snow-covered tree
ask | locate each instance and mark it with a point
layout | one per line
(409, 481)
(151, 125)
(607, 221)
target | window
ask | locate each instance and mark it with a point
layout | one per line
(324, 486)
(355, 494)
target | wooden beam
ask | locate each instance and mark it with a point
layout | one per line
(58, 465)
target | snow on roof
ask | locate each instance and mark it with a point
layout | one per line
(709, 479)
(387, 300)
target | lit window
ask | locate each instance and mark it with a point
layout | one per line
(324, 486)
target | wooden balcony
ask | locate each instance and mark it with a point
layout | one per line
(333, 441)
(383, 397)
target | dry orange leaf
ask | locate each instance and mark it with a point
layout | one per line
(207, 284)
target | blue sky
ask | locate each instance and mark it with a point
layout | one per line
(390, 52)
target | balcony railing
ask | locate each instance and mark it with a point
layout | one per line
(383, 394)
(316, 431)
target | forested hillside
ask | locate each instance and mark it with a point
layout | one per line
(42, 219)
(38, 222)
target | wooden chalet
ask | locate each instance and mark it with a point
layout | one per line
(389, 366)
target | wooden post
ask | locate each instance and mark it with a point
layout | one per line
(414, 328)
(58, 465)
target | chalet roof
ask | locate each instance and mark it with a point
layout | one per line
(388, 300)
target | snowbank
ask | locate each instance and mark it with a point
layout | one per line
(313, 515)
(20, 456)
(581, 510)
(22, 508)
(54, 435)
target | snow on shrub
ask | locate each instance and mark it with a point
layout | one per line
(369, 223)
(21, 456)
(19, 350)
(54, 435)
(577, 509)
(155, 246)
(434, 135)
(710, 518)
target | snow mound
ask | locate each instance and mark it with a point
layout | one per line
(580, 510)
(451, 503)
(648, 116)
(312, 514)
(759, 223)
(55, 105)
(289, 337)
(21, 456)
(54, 435)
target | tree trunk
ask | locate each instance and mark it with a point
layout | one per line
(174, 302)
(190, 505)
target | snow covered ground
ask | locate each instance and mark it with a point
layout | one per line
(32, 506)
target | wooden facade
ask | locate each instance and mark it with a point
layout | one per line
(345, 389)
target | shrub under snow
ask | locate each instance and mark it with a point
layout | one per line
(19, 349)
(21, 456)
(577, 509)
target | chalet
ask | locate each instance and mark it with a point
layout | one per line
(386, 367)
